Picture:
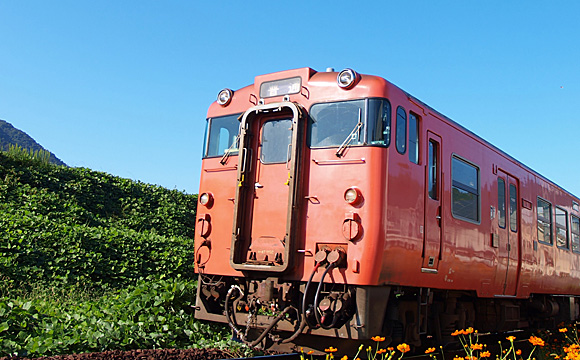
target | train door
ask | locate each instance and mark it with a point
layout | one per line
(270, 203)
(506, 236)
(266, 205)
(433, 215)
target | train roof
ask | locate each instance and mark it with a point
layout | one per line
(487, 143)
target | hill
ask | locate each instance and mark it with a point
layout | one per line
(9, 135)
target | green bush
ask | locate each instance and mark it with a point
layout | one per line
(152, 314)
(69, 226)
(93, 262)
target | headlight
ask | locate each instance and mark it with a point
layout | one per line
(346, 78)
(206, 199)
(225, 97)
(353, 196)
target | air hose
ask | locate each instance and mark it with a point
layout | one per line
(231, 322)
(304, 304)
(242, 336)
(316, 314)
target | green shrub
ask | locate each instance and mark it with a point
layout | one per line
(70, 226)
(152, 314)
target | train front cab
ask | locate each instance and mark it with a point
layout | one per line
(296, 207)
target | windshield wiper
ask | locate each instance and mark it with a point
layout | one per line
(227, 153)
(351, 136)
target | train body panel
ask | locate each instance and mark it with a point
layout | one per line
(359, 208)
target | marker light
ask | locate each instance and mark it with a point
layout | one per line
(353, 196)
(206, 199)
(225, 97)
(346, 78)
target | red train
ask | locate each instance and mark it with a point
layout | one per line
(336, 204)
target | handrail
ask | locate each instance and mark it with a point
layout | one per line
(339, 161)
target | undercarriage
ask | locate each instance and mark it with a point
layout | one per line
(262, 312)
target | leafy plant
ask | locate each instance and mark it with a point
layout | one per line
(92, 262)
(69, 226)
(155, 313)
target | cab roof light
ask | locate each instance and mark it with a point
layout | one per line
(346, 78)
(225, 97)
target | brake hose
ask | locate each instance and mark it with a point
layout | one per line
(316, 314)
(305, 295)
(228, 315)
(271, 326)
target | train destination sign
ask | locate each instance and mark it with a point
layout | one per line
(280, 87)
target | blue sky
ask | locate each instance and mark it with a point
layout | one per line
(124, 86)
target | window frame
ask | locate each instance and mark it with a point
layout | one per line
(261, 142)
(416, 136)
(551, 243)
(514, 208)
(208, 136)
(369, 136)
(563, 214)
(363, 140)
(466, 189)
(433, 169)
(401, 143)
(501, 208)
(572, 233)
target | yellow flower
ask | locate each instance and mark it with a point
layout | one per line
(518, 352)
(485, 354)
(468, 331)
(403, 348)
(331, 350)
(455, 333)
(310, 352)
(511, 338)
(430, 350)
(536, 341)
(390, 348)
(344, 357)
(563, 330)
(476, 346)
(377, 338)
(381, 351)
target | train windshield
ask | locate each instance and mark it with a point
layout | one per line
(335, 124)
(332, 124)
(221, 136)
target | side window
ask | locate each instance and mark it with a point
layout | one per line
(501, 202)
(544, 221)
(562, 228)
(465, 190)
(513, 208)
(413, 138)
(401, 138)
(575, 233)
(433, 168)
(379, 123)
